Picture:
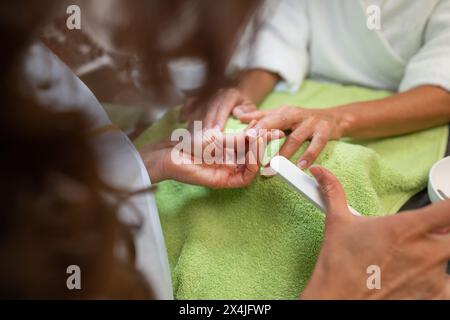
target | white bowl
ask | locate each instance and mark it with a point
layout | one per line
(439, 179)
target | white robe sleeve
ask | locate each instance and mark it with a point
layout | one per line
(52, 83)
(431, 65)
(280, 45)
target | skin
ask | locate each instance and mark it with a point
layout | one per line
(417, 109)
(411, 249)
(253, 87)
(160, 165)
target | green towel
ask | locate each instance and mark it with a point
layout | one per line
(262, 242)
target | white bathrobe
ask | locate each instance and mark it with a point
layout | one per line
(331, 40)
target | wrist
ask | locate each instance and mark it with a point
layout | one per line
(345, 121)
(155, 163)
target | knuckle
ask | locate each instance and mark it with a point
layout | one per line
(264, 122)
(284, 108)
(309, 122)
(325, 126)
(321, 139)
(329, 188)
(296, 138)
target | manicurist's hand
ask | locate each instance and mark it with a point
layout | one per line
(317, 126)
(241, 155)
(216, 111)
(252, 88)
(410, 249)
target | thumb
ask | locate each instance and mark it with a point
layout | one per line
(332, 192)
(242, 109)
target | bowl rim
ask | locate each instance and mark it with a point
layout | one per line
(430, 176)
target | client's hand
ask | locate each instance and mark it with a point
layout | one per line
(319, 126)
(410, 249)
(216, 111)
(227, 160)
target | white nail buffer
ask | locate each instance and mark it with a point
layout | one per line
(301, 182)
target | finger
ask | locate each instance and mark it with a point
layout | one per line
(254, 158)
(271, 135)
(432, 218)
(332, 192)
(254, 115)
(187, 110)
(268, 135)
(225, 107)
(318, 143)
(229, 148)
(243, 109)
(210, 116)
(212, 108)
(251, 125)
(222, 140)
(295, 140)
(244, 174)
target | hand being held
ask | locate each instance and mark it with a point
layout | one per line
(411, 250)
(318, 126)
(185, 166)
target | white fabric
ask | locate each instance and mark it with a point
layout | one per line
(330, 40)
(52, 83)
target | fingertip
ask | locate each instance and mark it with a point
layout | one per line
(316, 171)
(275, 135)
(251, 125)
(303, 164)
(259, 140)
(245, 118)
(281, 133)
(268, 172)
(238, 112)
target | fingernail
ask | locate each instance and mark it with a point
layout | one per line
(268, 172)
(278, 134)
(252, 124)
(238, 112)
(303, 164)
(315, 170)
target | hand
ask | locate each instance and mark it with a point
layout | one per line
(237, 173)
(411, 250)
(319, 126)
(217, 110)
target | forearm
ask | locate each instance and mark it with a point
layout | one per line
(256, 84)
(421, 108)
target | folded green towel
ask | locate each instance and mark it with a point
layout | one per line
(262, 242)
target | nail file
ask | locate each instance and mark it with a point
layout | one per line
(301, 182)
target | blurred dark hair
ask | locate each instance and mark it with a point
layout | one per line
(157, 32)
(54, 212)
